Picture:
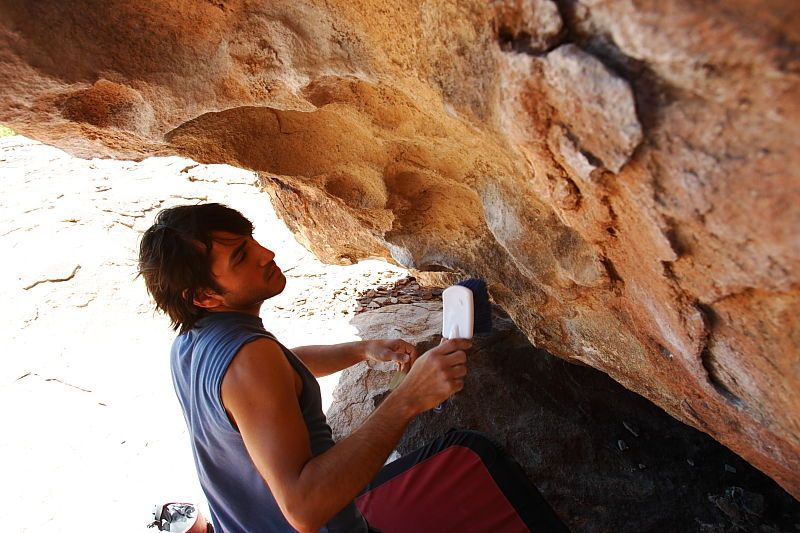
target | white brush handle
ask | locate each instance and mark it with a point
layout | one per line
(458, 313)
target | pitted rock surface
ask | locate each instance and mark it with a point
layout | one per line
(623, 174)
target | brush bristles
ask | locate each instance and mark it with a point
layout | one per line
(482, 309)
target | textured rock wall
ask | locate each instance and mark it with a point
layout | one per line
(622, 173)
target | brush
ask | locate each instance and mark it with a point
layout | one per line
(466, 311)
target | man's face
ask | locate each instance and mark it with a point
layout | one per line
(245, 271)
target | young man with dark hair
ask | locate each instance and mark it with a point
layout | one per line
(262, 447)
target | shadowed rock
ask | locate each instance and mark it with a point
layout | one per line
(604, 458)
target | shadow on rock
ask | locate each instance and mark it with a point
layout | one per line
(605, 458)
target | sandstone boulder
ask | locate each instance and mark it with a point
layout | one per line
(623, 174)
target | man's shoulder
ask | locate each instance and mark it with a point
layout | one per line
(216, 339)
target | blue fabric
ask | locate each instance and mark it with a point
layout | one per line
(238, 497)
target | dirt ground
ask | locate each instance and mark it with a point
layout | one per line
(92, 435)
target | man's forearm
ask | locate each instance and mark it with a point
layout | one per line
(324, 360)
(333, 479)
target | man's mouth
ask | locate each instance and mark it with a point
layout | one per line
(272, 268)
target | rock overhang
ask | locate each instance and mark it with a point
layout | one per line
(619, 179)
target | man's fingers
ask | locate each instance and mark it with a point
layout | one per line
(460, 371)
(406, 352)
(404, 346)
(456, 358)
(411, 349)
(459, 344)
(400, 357)
(406, 367)
(452, 345)
(456, 372)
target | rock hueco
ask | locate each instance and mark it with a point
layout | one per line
(623, 174)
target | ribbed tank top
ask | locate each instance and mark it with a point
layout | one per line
(238, 498)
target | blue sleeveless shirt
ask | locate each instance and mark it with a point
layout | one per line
(238, 498)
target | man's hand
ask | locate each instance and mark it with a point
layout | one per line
(387, 350)
(438, 374)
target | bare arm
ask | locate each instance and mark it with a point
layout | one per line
(325, 360)
(258, 393)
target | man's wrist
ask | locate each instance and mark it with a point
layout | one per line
(401, 404)
(363, 350)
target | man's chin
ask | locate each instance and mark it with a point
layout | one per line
(278, 286)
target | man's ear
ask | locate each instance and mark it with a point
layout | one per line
(207, 299)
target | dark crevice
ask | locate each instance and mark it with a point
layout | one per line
(663, 350)
(593, 159)
(673, 236)
(433, 267)
(666, 267)
(708, 360)
(613, 275)
(710, 317)
(511, 42)
(522, 42)
(54, 280)
(590, 157)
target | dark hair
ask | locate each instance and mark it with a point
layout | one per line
(175, 257)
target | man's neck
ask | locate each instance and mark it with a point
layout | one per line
(253, 310)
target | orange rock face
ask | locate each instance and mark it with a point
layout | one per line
(623, 174)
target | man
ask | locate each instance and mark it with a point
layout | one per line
(262, 447)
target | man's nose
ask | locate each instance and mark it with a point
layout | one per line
(267, 256)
